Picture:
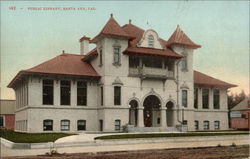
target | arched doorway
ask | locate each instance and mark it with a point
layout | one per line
(151, 111)
(170, 113)
(133, 112)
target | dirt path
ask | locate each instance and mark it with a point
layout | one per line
(223, 152)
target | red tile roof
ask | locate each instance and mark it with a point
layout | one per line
(64, 64)
(112, 28)
(152, 52)
(133, 30)
(91, 54)
(203, 79)
(179, 37)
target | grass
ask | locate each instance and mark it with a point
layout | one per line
(155, 135)
(19, 137)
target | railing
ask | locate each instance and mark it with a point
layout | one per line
(151, 72)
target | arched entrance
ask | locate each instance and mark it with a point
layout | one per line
(170, 118)
(151, 111)
(133, 112)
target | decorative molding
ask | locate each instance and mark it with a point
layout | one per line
(117, 81)
(184, 86)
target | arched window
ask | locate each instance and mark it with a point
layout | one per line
(151, 41)
(48, 125)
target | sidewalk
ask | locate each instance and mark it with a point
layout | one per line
(114, 145)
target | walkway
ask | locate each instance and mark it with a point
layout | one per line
(112, 145)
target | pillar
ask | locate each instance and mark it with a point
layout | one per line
(163, 117)
(140, 117)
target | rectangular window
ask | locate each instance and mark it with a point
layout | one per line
(185, 122)
(1, 121)
(216, 125)
(48, 87)
(196, 125)
(116, 51)
(81, 93)
(117, 95)
(47, 125)
(184, 98)
(206, 125)
(205, 98)
(81, 125)
(216, 93)
(101, 95)
(196, 98)
(117, 124)
(100, 57)
(65, 124)
(184, 63)
(65, 92)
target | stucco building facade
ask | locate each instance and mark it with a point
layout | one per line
(133, 79)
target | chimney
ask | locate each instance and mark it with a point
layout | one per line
(84, 45)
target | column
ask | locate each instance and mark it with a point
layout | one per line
(140, 117)
(163, 117)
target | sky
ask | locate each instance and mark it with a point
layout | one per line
(30, 37)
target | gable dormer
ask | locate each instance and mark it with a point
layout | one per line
(150, 39)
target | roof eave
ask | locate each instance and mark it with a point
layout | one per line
(195, 46)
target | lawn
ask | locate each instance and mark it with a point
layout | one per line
(155, 135)
(18, 137)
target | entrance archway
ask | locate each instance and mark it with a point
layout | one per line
(133, 112)
(170, 117)
(151, 111)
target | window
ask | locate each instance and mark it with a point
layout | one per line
(206, 125)
(116, 51)
(184, 98)
(100, 57)
(2, 121)
(81, 125)
(205, 98)
(117, 124)
(65, 92)
(196, 125)
(47, 125)
(151, 41)
(184, 62)
(65, 125)
(216, 93)
(216, 125)
(158, 120)
(101, 95)
(117, 95)
(185, 122)
(48, 87)
(81, 93)
(196, 98)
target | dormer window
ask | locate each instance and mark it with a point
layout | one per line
(151, 41)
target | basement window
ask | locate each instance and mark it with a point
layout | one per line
(47, 125)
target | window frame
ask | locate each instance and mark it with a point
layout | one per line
(117, 126)
(217, 125)
(118, 54)
(196, 97)
(101, 95)
(65, 120)
(117, 97)
(83, 87)
(184, 99)
(184, 62)
(50, 85)
(45, 126)
(206, 126)
(3, 117)
(101, 57)
(83, 126)
(216, 95)
(62, 98)
(203, 96)
(196, 125)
